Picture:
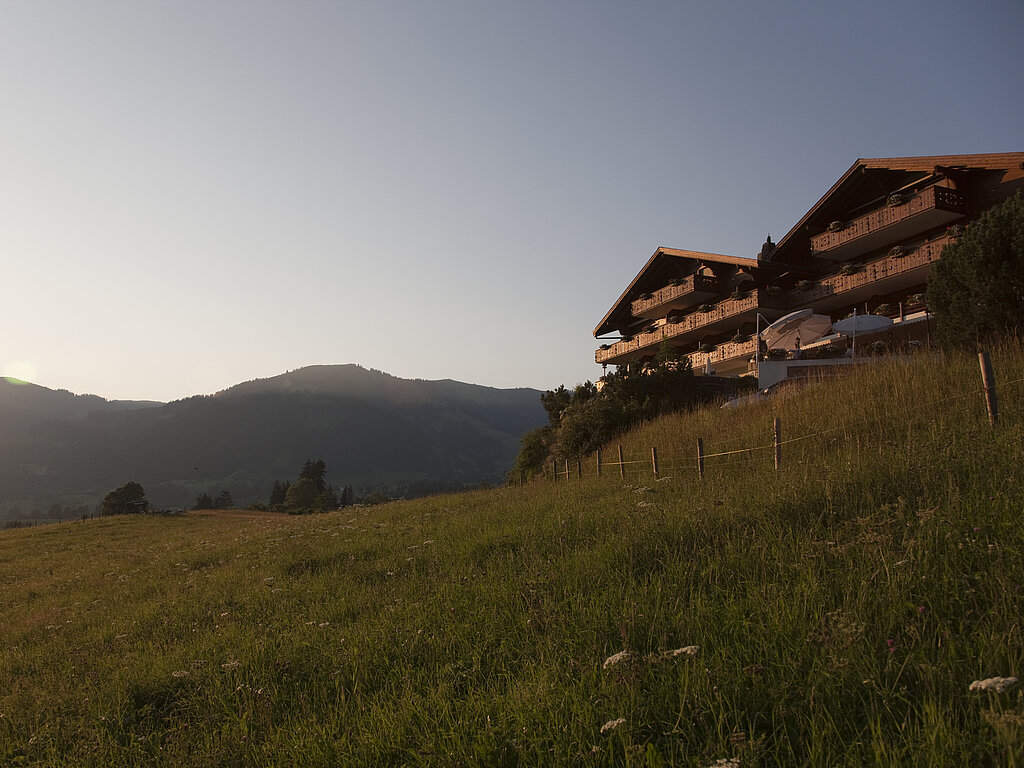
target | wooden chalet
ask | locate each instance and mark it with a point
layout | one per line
(866, 246)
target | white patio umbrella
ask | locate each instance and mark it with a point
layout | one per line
(802, 324)
(855, 324)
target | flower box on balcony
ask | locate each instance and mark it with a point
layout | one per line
(850, 269)
(705, 308)
(837, 226)
(895, 199)
(897, 252)
(916, 299)
(805, 285)
(706, 348)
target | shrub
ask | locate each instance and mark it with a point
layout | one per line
(977, 288)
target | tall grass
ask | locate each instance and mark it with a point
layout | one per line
(841, 606)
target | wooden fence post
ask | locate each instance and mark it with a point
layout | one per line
(654, 460)
(778, 443)
(598, 462)
(700, 458)
(622, 465)
(579, 468)
(988, 379)
(567, 470)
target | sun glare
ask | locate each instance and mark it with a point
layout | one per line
(19, 372)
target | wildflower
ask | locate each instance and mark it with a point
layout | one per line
(233, 664)
(921, 609)
(611, 725)
(891, 645)
(997, 684)
(725, 762)
(689, 650)
(611, 661)
(180, 673)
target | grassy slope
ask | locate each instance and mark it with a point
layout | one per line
(842, 607)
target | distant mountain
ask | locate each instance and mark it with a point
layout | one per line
(373, 430)
(24, 405)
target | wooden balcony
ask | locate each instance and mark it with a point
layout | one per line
(730, 358)
(930, 208)
(690, 291)
(876, 278)
(721, 317)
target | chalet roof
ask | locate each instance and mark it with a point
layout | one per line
(663, 259)
(903, 169)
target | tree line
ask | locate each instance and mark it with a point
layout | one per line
(310, 492)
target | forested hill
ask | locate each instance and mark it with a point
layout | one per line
(373, 430)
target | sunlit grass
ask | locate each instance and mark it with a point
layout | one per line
(839, 609)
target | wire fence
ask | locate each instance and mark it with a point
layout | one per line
(656, 462)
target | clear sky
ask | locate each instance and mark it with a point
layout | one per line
(194, 194)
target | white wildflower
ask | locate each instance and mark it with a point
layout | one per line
(725, 762)
(611, 725)
(611, 661)
(997, 684)
(180, 673)
(233, 664)
(689, 650)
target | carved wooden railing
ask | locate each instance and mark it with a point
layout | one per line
(888, 266)
(685, 286)
(723, 310)
(941, 198)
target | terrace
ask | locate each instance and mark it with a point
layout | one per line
(710, 319)
(902, 268)
(685, 292)
(930, 208)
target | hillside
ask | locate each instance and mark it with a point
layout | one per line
(373, 430)
(834, 612)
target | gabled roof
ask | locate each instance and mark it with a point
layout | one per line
(905, 166)
(661, 257)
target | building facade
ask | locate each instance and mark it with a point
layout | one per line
(867, 246)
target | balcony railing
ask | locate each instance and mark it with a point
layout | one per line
(932, 207)
(869, 274)
(724, 310)
(689, 291)
(721, 353)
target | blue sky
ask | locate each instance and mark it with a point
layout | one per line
(194, 194)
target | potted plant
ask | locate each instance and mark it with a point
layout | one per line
(773, 290)
(805, 285)
(896, 198)
(916, 299)
(738, 295)
(705, 347)
(739, 338)
(849, 269)
(897, 251)
(837, 226)
(705, 308)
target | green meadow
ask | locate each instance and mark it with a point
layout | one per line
(832, 613)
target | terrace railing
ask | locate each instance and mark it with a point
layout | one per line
(688, 290)
(929, 207)
(897, 263)
(755, 301)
